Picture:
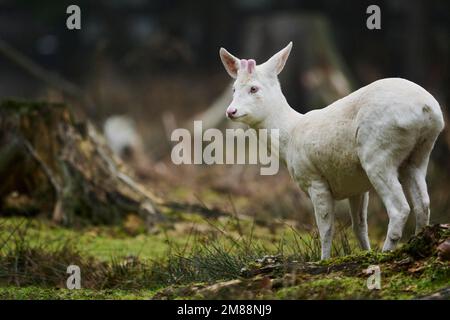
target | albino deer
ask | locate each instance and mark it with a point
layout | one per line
(379, 136)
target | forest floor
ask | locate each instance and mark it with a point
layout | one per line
(225, 232)
(210, 254)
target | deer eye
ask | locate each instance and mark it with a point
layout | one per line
(253, 89)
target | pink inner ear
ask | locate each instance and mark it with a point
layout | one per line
(244, 64)
(251, 65)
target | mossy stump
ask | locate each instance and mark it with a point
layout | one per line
(64, 167)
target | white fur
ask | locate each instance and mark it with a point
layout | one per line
(379, 136)
(121, 134)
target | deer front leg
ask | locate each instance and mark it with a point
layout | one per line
(323, 203)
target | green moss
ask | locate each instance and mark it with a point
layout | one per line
(330, 287)
(363, 258)
(104, 243)
(172, 257)
(39, 293)
(394, 285)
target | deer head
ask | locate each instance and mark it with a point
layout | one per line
(256, 90)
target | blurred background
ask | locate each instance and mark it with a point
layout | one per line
(147, 67)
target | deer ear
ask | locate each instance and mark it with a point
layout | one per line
(276, 63)
(230, 62)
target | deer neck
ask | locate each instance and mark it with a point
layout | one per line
(284, 119)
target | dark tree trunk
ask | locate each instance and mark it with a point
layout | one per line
(64, 167)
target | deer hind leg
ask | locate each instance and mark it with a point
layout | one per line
(358, 213)
(412, 176)
(381, 162)
(388, 187)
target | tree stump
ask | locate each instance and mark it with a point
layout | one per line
(65, 167)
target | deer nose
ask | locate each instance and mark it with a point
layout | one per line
(231, 111)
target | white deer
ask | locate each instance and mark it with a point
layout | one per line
(379, 136)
